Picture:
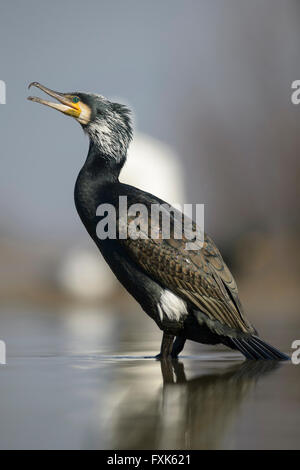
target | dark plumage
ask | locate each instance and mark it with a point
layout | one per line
(189, 294)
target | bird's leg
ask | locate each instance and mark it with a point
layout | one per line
(166, 346)
(178, 346)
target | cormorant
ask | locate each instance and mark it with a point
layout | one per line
(189, 294)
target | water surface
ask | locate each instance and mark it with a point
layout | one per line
(87, 380)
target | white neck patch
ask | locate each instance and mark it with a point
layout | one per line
(110, 136)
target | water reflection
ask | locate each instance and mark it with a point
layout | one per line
(84, 374)
(187, 414)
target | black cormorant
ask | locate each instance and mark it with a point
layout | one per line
(189, 294)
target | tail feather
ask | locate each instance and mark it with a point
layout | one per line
(255, 348)
(243, 349)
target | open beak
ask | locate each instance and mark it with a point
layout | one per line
(65, 103)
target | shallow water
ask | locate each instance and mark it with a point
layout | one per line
(79, 379)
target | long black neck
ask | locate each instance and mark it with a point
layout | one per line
(102, 167)
(98, 173)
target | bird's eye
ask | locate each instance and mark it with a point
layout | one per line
(75, 99)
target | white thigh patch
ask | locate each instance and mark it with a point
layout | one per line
(172, 306)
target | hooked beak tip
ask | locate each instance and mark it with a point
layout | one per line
(32, 84)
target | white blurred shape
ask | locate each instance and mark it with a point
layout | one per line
(154, 167)
(84, 274)
(91, 328)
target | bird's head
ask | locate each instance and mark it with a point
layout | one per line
(107, 124)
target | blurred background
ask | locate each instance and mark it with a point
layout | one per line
(209, 84)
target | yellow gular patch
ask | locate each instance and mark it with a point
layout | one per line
(85, 114)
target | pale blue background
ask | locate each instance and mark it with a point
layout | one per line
(211, 79)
